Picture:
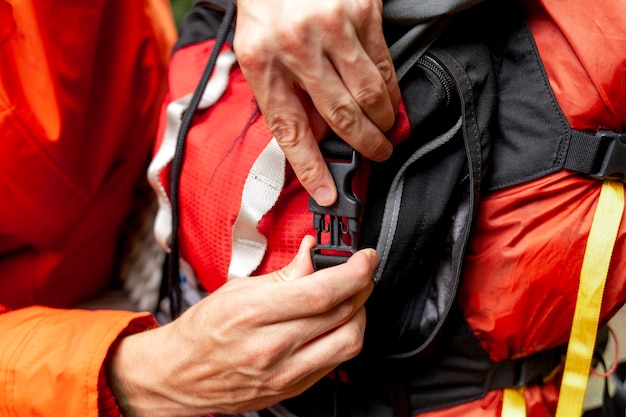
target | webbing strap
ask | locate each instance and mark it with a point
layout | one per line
(593, 275)
(513, 404)
(261, 190)
(212, 93)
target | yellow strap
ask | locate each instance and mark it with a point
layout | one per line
(513, 404)
(593, 274)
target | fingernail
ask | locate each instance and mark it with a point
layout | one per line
(324, 196)
(384, 152)
(388, 149)
(374, 260)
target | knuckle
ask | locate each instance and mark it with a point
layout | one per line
(285, 128)
(332, 17)
(342, 118)
(250, 52)
(386, 70)
(318, 299)
(310, 173)
(279, 382)
(261, 357)
(294, 31)
(345, 311)
(264, 354)
(369, 12)
(370, 95)
(353, 342)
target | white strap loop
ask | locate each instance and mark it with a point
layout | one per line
(214, 90)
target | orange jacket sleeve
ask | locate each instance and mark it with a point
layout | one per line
(51, 360)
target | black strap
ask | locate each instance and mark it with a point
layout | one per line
(173, 275)
(602, 155)
(524, 371)
(619, 397)
(508, 374)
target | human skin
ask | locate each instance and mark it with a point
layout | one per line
(314, 65)
(253, 342)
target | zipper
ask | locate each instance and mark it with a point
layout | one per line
(429, 62)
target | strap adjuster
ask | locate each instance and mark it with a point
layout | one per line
(337, 226)
(516, 373)
(601, 155)
(613, 166)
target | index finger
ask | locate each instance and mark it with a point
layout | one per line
(294, 121)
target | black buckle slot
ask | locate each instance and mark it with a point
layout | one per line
(337, 226)
(613, 165)
(601, 156)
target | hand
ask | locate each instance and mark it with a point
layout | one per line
(314, 65)
(250, 344)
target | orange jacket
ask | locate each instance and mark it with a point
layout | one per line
(80, 88)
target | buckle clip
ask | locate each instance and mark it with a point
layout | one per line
(337, 226)
(613, 166)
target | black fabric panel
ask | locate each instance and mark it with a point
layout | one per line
(419, 284)
(533, 135)
(201, 24)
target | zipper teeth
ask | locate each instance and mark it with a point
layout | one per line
(429, 62)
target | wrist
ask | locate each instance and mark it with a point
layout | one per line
(132, 377)
(119, 393)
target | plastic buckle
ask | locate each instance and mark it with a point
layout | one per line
(613, 166)
(337, 226)
(536, 367)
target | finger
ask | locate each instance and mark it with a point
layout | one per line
(365, 66)
(367, 87)
(344, 116)
(317, 293)
(305, 329)
(300, 265)
(316, 121)
(374, 44)
(290, 118)
(316, 358)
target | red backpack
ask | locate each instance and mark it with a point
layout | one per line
(478, 119)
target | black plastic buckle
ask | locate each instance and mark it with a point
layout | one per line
(337, 226)
(613, 166)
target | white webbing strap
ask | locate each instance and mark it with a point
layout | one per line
(164, 155)
(260, 192)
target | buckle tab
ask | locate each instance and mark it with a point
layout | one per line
(337, 226)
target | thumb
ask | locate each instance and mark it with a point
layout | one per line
(300, 265)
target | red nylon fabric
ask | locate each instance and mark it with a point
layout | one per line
(522, 270)
(80, 87)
